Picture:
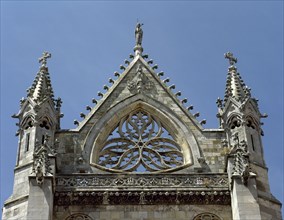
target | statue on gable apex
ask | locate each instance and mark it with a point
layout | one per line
(138, 34)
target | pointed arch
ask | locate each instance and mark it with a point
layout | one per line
(235, 120)
(251, 121)
(28, 121)
(171, 122)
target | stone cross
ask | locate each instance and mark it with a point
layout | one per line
(43, 59)
(231, 58)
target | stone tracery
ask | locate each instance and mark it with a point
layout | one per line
(79, 216)
(140, 143)
(206, 216)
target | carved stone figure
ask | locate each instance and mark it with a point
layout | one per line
(138, 34)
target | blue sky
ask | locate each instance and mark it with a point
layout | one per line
(187, 39)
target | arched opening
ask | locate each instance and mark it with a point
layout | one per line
(27, 123)
(141, 138)
(253, 133)
(234, 122)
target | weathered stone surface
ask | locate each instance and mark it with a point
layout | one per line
(145, 212)
(139, 153)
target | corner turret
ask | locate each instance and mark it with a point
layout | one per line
(241, 120)
(39, 115)
(239, 113)
(39, 119)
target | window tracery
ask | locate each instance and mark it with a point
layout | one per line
(140, 143)
(79, 216)
(206, 216)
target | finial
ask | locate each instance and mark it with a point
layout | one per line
(138, 49)
(43, 59)
(231, 58)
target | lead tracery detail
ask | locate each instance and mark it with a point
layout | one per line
(140, 143)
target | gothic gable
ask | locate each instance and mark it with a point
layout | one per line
(140, 88)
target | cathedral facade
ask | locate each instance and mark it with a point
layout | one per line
(139, 153)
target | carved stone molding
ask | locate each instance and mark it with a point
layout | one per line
(140, 82)
(138, 181)
(241, 163)
(41, 165)
(141, 197)
(142, 189)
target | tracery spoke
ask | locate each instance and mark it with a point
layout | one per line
(119, 144)
(127, 158)
(155, 159)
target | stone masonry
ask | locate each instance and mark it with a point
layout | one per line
(139, 153)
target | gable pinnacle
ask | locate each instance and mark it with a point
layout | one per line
(138, 49)
(235, 86)
(41, 87)
(43, 59)
(231, 58)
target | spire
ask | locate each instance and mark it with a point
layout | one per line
(41, 87)
(138, 49)
(235, 86)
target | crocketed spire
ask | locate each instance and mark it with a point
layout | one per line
(41, 87)
(235, 86)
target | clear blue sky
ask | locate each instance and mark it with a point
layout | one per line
(187, 39)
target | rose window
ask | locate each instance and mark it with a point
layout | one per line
(140, 143)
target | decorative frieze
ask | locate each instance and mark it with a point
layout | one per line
(141, 197)
(142, 189)
(137, 181)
